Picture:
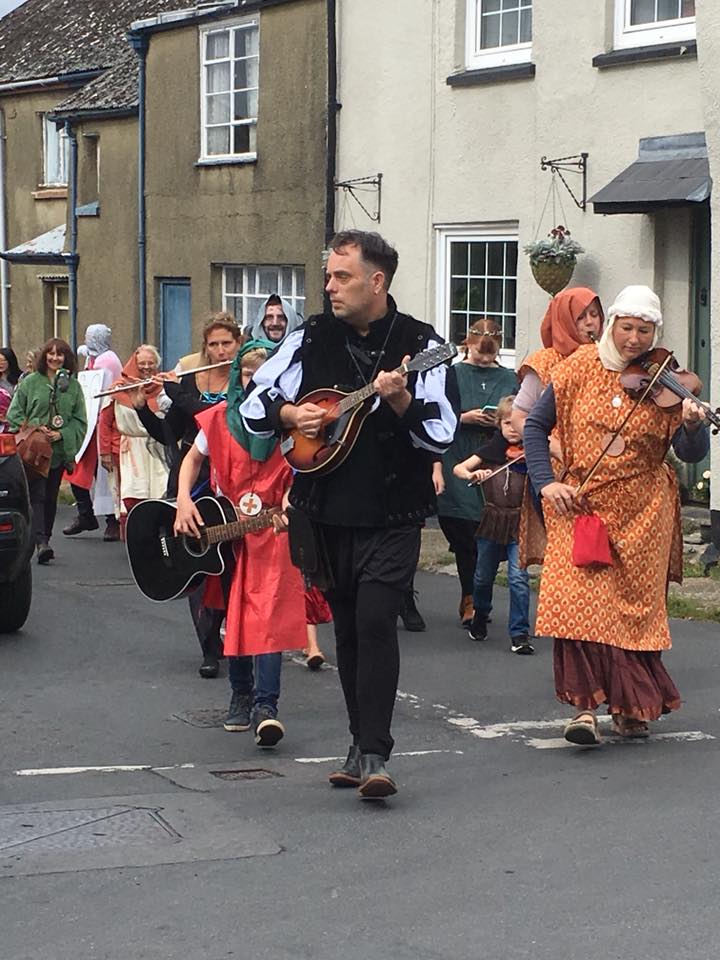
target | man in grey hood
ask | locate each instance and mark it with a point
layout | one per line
(275, 319)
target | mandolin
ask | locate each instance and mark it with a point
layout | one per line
(345, 414)
(166, 566)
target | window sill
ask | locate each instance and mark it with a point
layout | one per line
(50, 193)
(476, 78)
(660, 51)
(88, 209)
(224, 161)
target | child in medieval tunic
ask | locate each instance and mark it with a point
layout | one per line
(497, 532)
(609, 620)
(264, 598)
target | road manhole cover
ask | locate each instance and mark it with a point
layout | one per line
(77, 830)
(202, 718)
(254, 774)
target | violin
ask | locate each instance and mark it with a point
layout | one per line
(514, 453)
(672, 387)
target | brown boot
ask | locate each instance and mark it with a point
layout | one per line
(466, 611)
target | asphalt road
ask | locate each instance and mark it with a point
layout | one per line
(502, 844)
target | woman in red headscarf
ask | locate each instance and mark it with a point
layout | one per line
(574, 317)
(124, 441)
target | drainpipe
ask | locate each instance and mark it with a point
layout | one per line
(332, 109)
(4, 267)
(139, 42)
(72, 259)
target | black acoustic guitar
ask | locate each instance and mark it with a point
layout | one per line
(166, 566)
(345, 414)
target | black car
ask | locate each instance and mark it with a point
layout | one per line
(16, 539)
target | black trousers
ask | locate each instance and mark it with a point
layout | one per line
(372, 569)
(43, 500)
(207, 624)
(85, 505)
(460, 535)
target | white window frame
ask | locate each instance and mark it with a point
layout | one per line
(446, 235)
(649, 34)
(60, 309)
(54, 139)
(477, 58)
(204, 32)
(248, 296)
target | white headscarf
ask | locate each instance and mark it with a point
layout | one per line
(98, 338)
(634, 301)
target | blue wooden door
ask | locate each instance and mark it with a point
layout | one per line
(175, 321)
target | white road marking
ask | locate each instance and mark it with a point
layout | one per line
(559, 743)
(406, 753)
(115, 768)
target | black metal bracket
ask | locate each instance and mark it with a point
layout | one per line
(575, 164)
(371, 184)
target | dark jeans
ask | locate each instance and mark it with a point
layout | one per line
(372, 568)
(262, 682)
(489, 555)
(460, 535)
(43, 500)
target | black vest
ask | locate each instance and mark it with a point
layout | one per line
(385, 481)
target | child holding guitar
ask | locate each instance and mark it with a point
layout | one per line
(263, 594)
(499, 465)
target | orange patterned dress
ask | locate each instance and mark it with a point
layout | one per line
(532, 540)
(610, 624)
(636, 494)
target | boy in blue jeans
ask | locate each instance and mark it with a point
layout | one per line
(497, 532)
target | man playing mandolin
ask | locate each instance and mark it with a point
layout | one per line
(368, 509)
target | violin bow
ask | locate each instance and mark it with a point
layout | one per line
(505, 466)
(613, 436)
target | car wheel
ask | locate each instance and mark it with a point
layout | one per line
(15, 600)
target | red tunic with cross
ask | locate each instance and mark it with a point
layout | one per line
(266, 607)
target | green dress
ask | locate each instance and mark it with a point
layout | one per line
(31, 405)
(479, 387)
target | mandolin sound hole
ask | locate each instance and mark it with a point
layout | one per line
(196, 547)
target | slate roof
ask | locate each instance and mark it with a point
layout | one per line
(49, 38)
(114, 91)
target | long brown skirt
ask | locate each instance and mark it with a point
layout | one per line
(633, 683)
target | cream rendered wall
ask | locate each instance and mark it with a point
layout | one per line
(708, 20)
(472, 154)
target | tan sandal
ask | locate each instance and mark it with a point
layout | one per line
(583, 730)
(630, 728)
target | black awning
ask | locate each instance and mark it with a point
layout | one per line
(669, 172)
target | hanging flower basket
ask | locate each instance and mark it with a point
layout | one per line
(553, 259)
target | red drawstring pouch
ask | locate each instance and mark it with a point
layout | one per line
(591, 544)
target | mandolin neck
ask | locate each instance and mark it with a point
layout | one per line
(235, 530)
(357, 397)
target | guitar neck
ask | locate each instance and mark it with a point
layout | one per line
(235, 530)
(356, 398)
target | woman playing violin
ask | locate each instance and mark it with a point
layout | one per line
(610, 622)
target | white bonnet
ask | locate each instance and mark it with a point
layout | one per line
(637, 301)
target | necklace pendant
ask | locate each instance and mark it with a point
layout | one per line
(250, 504)
(57, 422)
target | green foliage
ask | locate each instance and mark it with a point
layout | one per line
(557, 247)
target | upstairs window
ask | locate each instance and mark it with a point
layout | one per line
(498, 32)
(247, 287)
(230, 72)
(55, 155)
(640, 23)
